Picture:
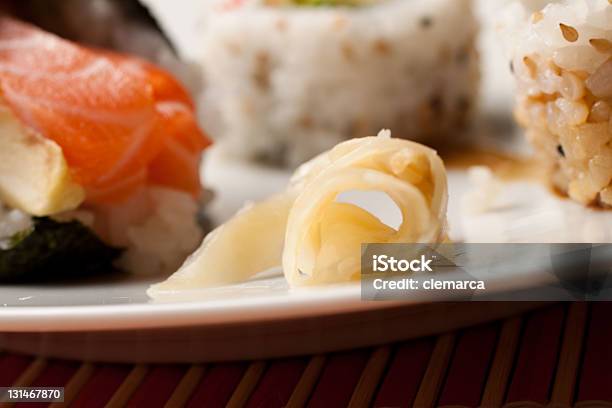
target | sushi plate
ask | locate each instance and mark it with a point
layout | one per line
(111, 318)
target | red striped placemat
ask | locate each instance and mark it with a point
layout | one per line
(559, 355)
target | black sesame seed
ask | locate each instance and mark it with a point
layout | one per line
(426, 22)
(560, 150)
(512, 66)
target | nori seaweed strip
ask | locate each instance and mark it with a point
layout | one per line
(61, 17)
(56, 250)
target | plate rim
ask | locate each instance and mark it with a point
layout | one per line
(157, 315)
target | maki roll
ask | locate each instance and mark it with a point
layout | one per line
(562, 60)
(292, 78)
(99, 157)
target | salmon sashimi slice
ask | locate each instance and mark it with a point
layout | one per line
(121, 122)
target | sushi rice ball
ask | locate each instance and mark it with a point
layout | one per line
(561, 56)
(99, 160)
(292, 78)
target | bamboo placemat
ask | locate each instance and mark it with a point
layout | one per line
(556, 356)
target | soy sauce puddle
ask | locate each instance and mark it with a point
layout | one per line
(505, 166)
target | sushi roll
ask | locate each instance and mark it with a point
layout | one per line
(99, 160)
(561, 56)
(292, 78)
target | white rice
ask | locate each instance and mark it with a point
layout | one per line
(158, 228)
(562, 58)
(11, 223)
(285, 83)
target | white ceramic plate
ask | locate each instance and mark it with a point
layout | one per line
(112, 319)
(522, 212)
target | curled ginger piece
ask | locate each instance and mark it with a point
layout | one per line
(315, 238)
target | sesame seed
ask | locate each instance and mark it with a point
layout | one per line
(569, 33)
(382, 47)
(531, 66)
(261, 74)
(348, 51)
(601, 44)
(560, 150)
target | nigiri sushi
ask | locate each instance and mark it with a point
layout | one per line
(98, 142)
